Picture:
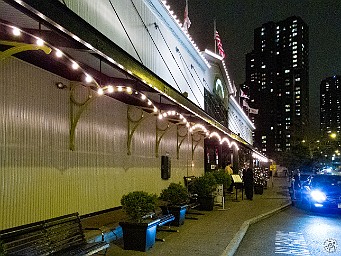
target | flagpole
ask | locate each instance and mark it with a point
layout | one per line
(215, 29)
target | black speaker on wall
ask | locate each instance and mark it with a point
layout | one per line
(165, 167)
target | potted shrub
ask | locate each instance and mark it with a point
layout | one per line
(177, 198)
(222, 178)
(139, 233)
(204, 187)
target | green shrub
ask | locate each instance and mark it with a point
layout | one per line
(138, 204)
(205, 185)
(175, 194)
(222, 178)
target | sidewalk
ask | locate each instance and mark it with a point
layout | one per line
(217, 232)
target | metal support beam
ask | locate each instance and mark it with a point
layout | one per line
(77, 108)
(180, 139)
(21, 47)
(133, 125)
(159, 135)
(195, 143)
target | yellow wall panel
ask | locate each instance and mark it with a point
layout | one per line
(41, 178)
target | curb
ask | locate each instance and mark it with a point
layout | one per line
(232, 247)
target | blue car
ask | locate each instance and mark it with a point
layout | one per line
(321, 191)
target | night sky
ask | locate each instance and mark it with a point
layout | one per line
(237, 19)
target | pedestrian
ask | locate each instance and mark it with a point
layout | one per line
(229, 171)
(248, 182)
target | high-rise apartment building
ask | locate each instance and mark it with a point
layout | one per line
(330, 105)
(277, 77)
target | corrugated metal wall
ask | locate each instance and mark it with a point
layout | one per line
(124, 23)
(41, 178)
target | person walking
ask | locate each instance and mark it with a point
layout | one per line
(248, 182)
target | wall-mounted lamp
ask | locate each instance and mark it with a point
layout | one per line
(60, 85)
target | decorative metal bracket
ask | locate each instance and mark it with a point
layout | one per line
(195, 143)
(180, 139)
(159, 135)
(21, 47)
(77, 108)
(133, 125)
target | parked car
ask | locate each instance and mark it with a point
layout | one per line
(321, 191)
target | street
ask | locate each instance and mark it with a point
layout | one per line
(294, 232)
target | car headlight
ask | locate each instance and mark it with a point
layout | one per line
(318, 196)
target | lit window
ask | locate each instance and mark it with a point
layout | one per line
(294, 47)
(297, 79)
(286, 71)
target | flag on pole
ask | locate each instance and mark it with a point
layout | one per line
(219, 44)
(187, 22)
(243, 94)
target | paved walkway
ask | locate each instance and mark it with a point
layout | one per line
(215, 233)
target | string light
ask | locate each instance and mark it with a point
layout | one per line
(16, 31)
(75, 65)
(88, 78)
(59, 53)
(110, 89)
(40, 42)
(100, 91)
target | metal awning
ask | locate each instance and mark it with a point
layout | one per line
(106, 62)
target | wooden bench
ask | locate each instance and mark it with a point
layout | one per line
(58, 236)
